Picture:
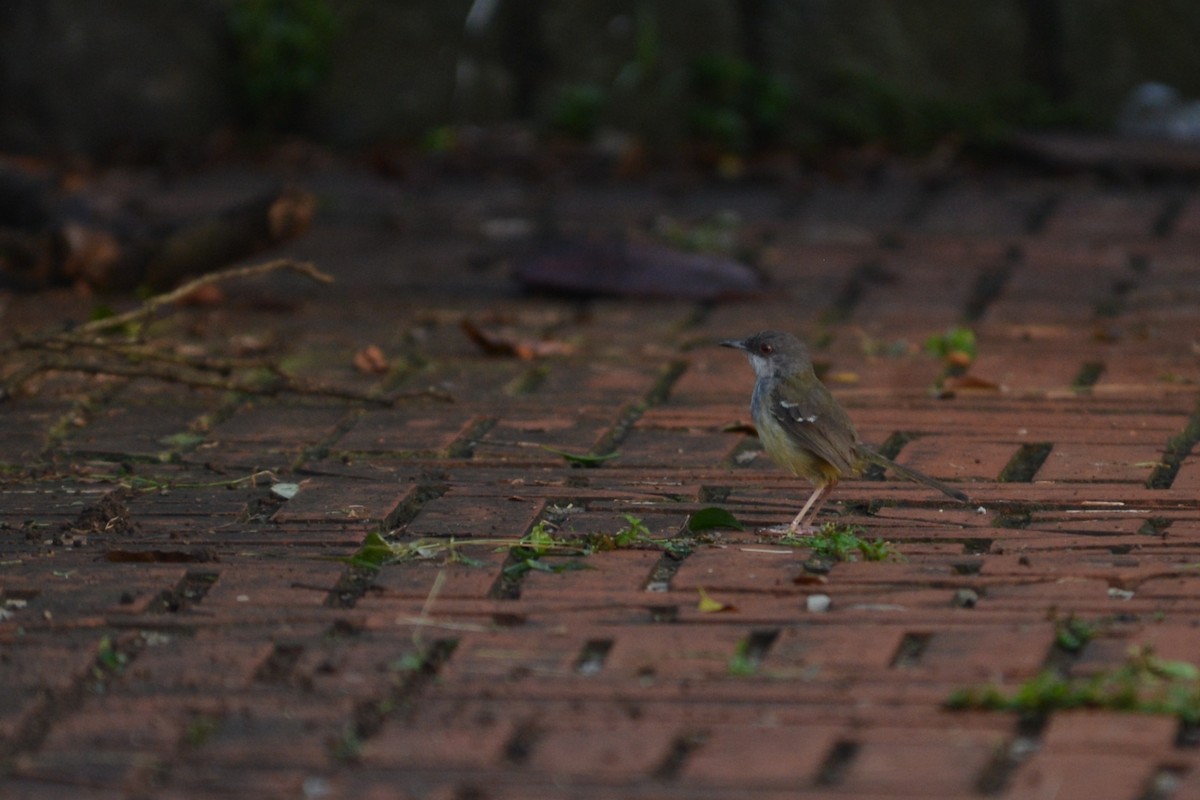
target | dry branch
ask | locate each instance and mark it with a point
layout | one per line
(105, 347)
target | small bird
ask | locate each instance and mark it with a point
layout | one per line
(802, 427)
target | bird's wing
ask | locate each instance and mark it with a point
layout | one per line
(814, 419)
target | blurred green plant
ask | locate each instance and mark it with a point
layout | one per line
(284, 49)
(577, 110)
(956, 346)
(1144, 684)
(736, 107)
(865, 107)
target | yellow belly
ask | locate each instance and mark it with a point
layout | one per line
(787, 453)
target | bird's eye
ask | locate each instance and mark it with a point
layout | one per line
(766, 349)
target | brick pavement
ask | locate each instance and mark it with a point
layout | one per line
(172, 629)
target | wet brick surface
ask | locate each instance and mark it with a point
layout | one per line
(173, 628)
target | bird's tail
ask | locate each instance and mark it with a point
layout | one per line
(912, 474)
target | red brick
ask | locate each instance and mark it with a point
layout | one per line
(815, 650)
(671, 652)
(888, 759)
(1121, 734)
(611, 753)
(617, 571)
(466, 514)
(741, 566)
(210, 662)
(513, 654)
(324, 499)
(271, 583)
(1083, 776)
(399, 745)
(767, 755)
(401, 432)
(995, 655)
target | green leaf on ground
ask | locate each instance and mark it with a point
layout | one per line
(373, 554)
(712, 517)
(182, 441)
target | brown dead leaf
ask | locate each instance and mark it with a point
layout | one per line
(371, 361)
(959, 358)
(508, 342)
(968, 382)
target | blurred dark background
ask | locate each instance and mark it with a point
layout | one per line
(141, 79)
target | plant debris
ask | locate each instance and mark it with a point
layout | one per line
(509, 342)
(1144, 684)
(117, 345)
(843, 543)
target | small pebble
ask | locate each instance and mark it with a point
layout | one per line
(965, 598)
(818, 603)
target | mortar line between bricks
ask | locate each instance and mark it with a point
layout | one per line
(1168, 216)
(1043, 211)
(370, 714)
(990, 283)
(629, 416)
(320, 449)
(890, 448)
(111, 659)
(1178, 448)
(463, 446)
(355, 580)
(869, 272)
(998, 772)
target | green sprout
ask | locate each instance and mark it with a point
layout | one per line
(1072, 634)
(1144, 684)
(742, 663)
(843, 543)
(109, 660)
(956, 346)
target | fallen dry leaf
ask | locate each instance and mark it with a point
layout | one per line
(959, 383)
(371, 361)
(507, 342)
(959, 358)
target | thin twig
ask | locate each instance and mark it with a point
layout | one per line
(68, 351)
(152, 304)
(199, 379)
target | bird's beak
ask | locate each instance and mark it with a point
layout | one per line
(736, 344)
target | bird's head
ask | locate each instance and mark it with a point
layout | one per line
(772, 352)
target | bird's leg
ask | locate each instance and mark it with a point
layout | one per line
(815, 501)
